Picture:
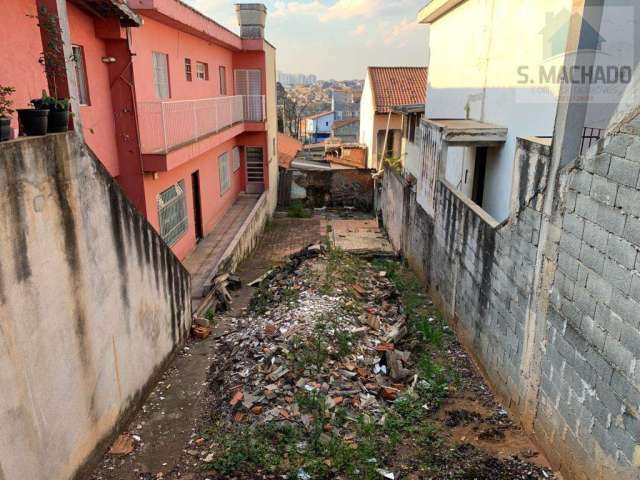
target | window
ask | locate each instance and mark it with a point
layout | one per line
(202, 71)
(235, 154)
(187, 70)
(172, 213)
(223, 80)
(81, 75)
(161, 74)
(223, 169)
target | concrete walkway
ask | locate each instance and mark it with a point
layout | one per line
(206, 257)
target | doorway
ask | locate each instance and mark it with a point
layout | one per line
(197, 205)
(254, 160)
(479, 175)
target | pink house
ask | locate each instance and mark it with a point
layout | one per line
(180, 110)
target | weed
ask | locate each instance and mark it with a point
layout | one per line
(430, 331)
(297, 210)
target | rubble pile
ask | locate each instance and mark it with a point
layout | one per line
(300, 342)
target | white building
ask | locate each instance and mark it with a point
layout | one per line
(495, 71)
(317, 128)
(386, 88)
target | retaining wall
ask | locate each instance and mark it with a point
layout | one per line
(92, 306)
(553, 326)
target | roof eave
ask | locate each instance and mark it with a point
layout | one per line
(437, 9)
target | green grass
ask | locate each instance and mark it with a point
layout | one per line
(297, 210)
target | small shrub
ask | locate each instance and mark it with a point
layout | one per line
(297, 210)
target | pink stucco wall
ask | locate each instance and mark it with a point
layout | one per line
(97, 118)
(214, 204)
(19, 53)
(158, 37)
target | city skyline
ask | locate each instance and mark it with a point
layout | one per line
(309, 33)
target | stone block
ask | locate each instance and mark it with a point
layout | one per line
(632, 230)
(635, 288)
(581, 181)
(584, 301)
(629, 200)
(627, 308)
(604, 191)
(618, 144)
(570, 245)
(599, 288)
(617, 275)
(568, 265)
(624, 171)
(617, 354)
(611, 219)
(592, 258)
(594, 335)
(595, 236)
(573, 224)
(622, 251)
(609, 321)
(598, 164)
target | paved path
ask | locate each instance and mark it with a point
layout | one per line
(208, 253)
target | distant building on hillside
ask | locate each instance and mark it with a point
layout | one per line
(346, 130)
(296, 79)
(316, 128)
(386, 88)
(344, 103)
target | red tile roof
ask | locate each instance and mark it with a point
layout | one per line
(288, 148)
(398, 86)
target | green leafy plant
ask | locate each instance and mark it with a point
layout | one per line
(297, 210)
(5, 102)
(47, 102)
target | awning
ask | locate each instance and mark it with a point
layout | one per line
(462, 132)
(111, 8)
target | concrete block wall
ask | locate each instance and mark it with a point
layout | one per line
(591, 385)
(582, 398)
(92, 306)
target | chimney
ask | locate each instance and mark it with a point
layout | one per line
(251, 18)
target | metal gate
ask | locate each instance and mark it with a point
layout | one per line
(255, 169)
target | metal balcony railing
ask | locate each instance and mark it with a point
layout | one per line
(167, 125)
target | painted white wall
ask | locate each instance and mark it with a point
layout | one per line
(475, 52)
(272, 126)
(460, 169)
(367, 118)
(621, 47)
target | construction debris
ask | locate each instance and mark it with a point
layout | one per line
(326, 350)
(123, 445)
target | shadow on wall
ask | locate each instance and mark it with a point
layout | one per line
(92, 306)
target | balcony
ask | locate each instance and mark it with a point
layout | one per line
(168, 126)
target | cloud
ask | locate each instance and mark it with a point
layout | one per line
(401, 32)
(347, 9)
(221, 11)
(283, 8)
(340, 10)
(360, 30)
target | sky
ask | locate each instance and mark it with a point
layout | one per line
(336, 39)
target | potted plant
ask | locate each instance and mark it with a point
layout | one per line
(58, 112)
(5, 112)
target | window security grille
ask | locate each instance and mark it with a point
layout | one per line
(223, 168)
(172, 212)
